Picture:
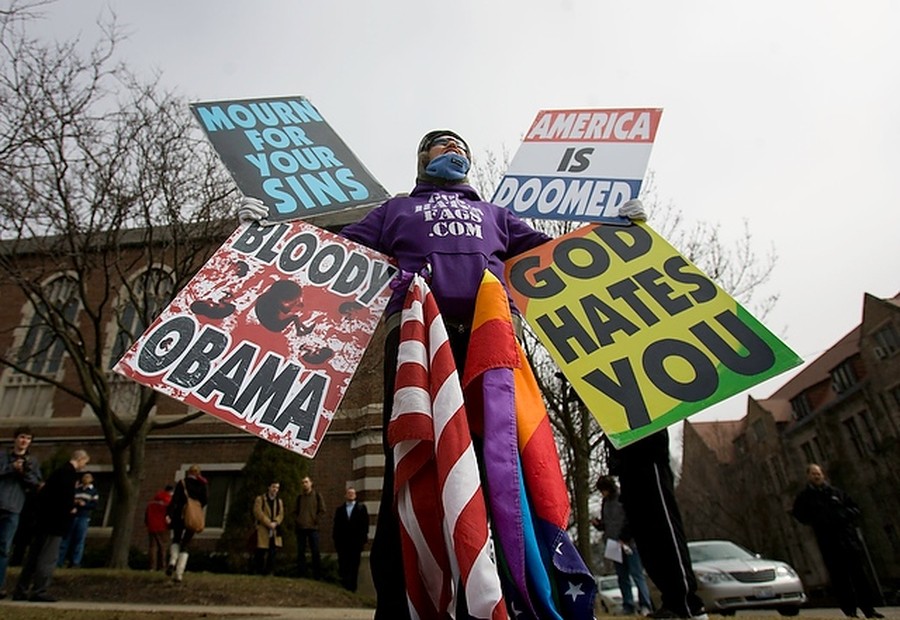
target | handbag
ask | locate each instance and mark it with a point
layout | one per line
(192, 514)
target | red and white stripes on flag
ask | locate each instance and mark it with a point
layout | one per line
(443, 517)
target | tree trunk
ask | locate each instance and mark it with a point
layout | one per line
(582, 487)
(128, 472)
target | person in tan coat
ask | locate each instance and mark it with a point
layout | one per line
(268, 510)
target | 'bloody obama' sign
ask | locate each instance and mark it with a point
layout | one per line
(269, 333)
(644, 337)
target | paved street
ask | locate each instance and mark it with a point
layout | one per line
(298, 613)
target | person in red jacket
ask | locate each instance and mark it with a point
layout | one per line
(157, 528)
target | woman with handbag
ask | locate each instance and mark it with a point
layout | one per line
(185, 517)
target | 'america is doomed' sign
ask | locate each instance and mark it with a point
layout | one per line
(282, 152)
(269, 333)
(644, 337)
(580, 165)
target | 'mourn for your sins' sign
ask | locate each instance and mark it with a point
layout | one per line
(283, 152)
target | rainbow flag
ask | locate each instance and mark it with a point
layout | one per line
(543, 575)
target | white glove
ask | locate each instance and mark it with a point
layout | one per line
(633, 210)
(253, 210)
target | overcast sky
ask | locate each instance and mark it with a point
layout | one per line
(780, 114)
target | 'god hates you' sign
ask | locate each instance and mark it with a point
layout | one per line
(269, 333)
(644, 337)
(282, 152)
(579, 164)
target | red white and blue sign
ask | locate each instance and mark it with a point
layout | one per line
(580, 165)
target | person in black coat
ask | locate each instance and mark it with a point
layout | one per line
(834, 517)
(350, 533)
(55, 510)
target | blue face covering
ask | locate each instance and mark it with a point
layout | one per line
(449, 166)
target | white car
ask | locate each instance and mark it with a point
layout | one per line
(610, 596)
(730, 578)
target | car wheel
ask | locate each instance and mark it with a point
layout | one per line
(605, 608)
(726, 612)
(789, 611)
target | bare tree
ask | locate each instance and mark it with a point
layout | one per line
(737, 268)
(111, 200)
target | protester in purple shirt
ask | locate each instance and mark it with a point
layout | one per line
(444, 231)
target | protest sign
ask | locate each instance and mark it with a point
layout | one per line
(580, 165)
(644, 337)
(282, 151)
(269, 332)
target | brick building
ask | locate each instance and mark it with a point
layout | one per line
(842, 410)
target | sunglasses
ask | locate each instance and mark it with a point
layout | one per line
(445, 140)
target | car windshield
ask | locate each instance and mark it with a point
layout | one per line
(718, 550)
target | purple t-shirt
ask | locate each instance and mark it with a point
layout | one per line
(452, 230)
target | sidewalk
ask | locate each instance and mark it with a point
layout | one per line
(210, 611)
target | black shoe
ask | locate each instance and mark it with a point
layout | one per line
(664, 613)
(874, 614)
(18, 596)
(42, 598)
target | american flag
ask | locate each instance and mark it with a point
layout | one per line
(444, 530)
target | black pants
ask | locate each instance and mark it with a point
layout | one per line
(40, 562)
(648, 495)
(348, 565)
(845, 562)
(265, 558)
(386, 558)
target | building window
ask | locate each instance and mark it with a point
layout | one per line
(809, 452)
(102, 515)
(777, 469)
(822, 454)
(224, 483)
(855, 436)
(891, 533)
(759, 430)
(843, 378)
(887, 342)
(800, 406)
(40, 352)
(141, 301)
(871, 433)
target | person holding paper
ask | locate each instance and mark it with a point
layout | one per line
(621, 549)
(444, 231)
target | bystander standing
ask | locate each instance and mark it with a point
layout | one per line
(309, 509)
(71, 547)
(268, 512)
(55, 511)
(350, 532)
(19, 474)
(158, 528)
(834, 516)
